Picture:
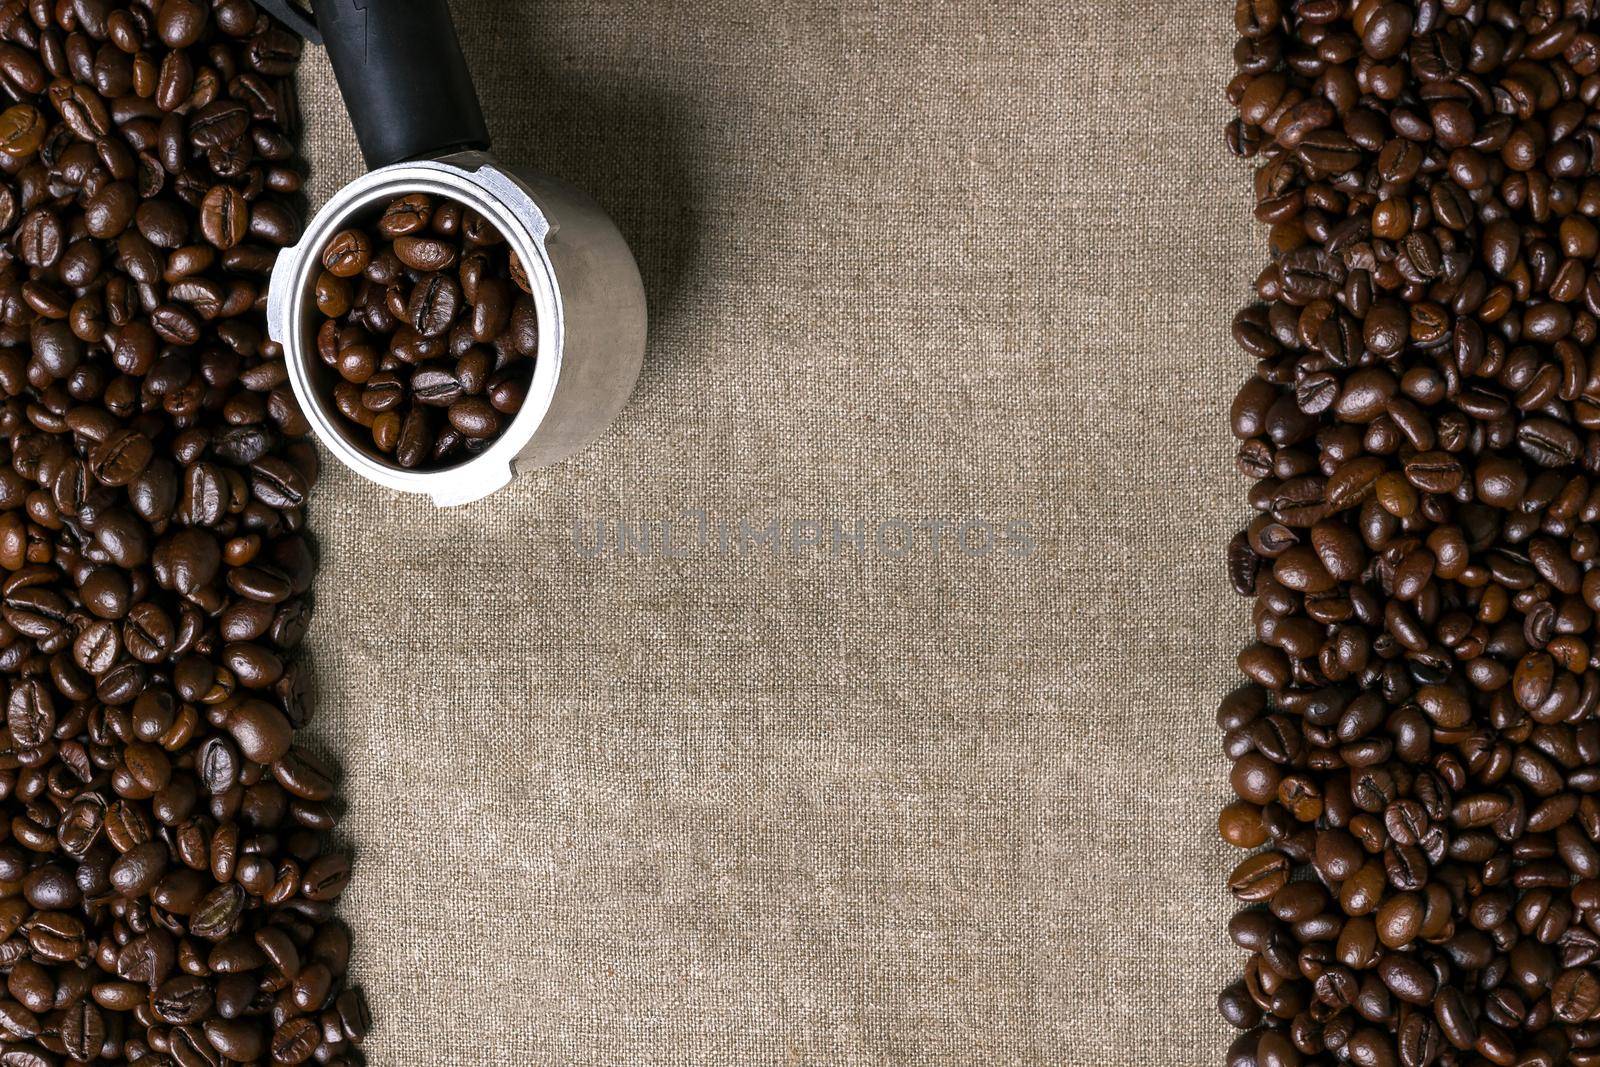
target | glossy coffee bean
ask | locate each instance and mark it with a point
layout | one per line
(1416, 749)
(433, 322)
(162, 827)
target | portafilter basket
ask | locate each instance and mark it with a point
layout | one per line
(420, 127)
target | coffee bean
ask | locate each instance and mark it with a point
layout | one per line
(508, 394)
(347, 254)
(1399, 919)
(224, 216)
(1434, 472)
(326, 878)
(474, 417)
(524, 327)
(355, 1018)
(405, 215)
(236, 1039)
(277, 483)
(424, 254)
(1548, 443)
(433, 305)
(1352, 483)
(1407, 978)
(1417, 754)
(40, 238)
(182, 1000)
(295, 1041)
(218, 124)
(83, 1031)
(415, 439)
(439, 296)
(262, 732)
(435, 385)
(218, 914)
(332, 295)
(1316, 392)
(120, 457)
(136, 871)
(109, 212)
(1260, 876)
(155, 583)
(304, 775)
(187, 560)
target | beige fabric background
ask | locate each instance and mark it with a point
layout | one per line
(904, 260)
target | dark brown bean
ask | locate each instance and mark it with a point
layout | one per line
(1422, 431)
(470, 313)
(155, 578)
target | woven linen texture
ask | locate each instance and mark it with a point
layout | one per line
(905, 261)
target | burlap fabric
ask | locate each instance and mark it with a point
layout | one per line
(906, 261)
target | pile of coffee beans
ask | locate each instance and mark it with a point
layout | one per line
(166, 891)
(1417, 753)
(428, 322)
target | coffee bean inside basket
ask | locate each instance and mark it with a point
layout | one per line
(429, 328)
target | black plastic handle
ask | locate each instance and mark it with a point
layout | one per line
(403, 78)
(293, 17)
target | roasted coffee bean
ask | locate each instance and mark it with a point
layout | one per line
(83, 1031)
(1416, 751)
(355, 1018)
(239, 1040)
(262, 731)
(347, 254)
(507, 394)
(434, 305)
(155, 576)
(425, 254)
(304, 775)
(474, 417)
(1259, 877)
(295, 1041)
(224, 216)
(136, 871)
(325, 878)
(405, 215)
(439, 299)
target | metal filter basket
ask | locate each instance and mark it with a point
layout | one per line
(417, 117)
